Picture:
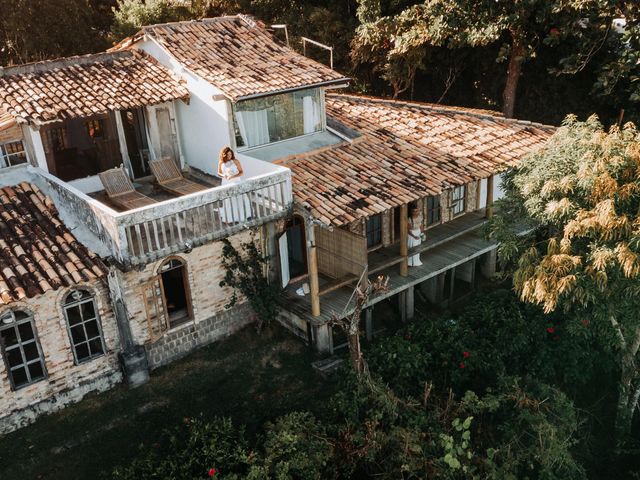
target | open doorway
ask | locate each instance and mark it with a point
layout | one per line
(175, 286)
(296, 246)
(135, 133)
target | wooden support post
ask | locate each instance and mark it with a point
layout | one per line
(312, 258)
(489, 208)
(404, 237)
(368, 323)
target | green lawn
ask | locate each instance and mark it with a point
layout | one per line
(249, 377)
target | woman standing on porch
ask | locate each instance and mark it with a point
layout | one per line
(415, 234)
(236, 208)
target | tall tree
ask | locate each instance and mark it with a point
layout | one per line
(31, 31)
(580, 195)
(521, 25)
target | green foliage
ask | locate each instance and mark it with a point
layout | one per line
(189, 451)
(245, 274)
(130, 15)
(296, 446)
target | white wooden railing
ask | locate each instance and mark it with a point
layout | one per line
(142, 235)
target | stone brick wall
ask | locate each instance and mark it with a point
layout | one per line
(66, 382)
(211, 319)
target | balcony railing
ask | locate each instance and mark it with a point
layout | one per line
(145, 234)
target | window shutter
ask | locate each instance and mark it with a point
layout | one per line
(156, 308)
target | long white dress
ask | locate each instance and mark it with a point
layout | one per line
(414, 260)
(237, 208)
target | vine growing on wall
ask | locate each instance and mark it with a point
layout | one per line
(244, 273)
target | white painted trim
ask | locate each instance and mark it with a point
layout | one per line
(122, 140)
(38, 147)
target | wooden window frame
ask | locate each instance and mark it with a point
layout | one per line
(427, 210)
(14, 323)
(6, 156)
(453, 201)
(77, 302)
(379, 230)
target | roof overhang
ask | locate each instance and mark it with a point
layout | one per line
(339, 83)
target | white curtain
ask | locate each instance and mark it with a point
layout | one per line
(254, 127)
(311, 114)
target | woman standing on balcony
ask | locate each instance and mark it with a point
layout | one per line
(238, 207)
(415, 234)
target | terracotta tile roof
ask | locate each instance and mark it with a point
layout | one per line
(81, 86)
(6, 120)
(406, 151)
(239, 56)
(38, 253)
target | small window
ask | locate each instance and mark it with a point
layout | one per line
(12, 153)
(433, 210)
(458, 200)
(175, 288)
(83, 324)
(374, 231)
(21, 350)
(95, 128)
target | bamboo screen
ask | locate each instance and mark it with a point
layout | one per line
(340, 253)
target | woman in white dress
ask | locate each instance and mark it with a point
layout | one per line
(415, 235)
(237, 208)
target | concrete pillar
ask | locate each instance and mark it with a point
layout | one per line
(368, 323)
(133, 357)
(465, 272)
(322, 335)
(488, 266)
(489, 209)
(433, 288)
(410, 302)
(402, 306)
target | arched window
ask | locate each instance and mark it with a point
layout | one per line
(83, 323)
(21, 349)
(175, 288)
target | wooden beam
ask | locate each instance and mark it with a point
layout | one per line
(404, 237)
(312, 258)
(489, 208)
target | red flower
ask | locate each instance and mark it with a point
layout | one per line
(550, 329)
(407, 337)
(212, 472)
(461, 365)
(585, 322)
(466, 354)
(554, 31)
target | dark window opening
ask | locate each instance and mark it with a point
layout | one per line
(374, 231)
(83, 323)
(135, 133)
(176, 293)
(22, 354)
(297, 248)
(433, 210)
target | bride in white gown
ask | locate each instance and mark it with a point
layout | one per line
(236, 208)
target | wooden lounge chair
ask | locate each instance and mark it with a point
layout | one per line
(170, 178)
(120, 190)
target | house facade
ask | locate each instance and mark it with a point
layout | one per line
(328, 181)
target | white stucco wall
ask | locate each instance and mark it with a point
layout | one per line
(483, 193)
(203, 124)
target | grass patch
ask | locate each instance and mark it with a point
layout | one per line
(249, 377)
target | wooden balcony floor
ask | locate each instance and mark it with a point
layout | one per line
(446, 246)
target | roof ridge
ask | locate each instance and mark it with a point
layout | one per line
(48, 65)
(475, 112)
(223, 18)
